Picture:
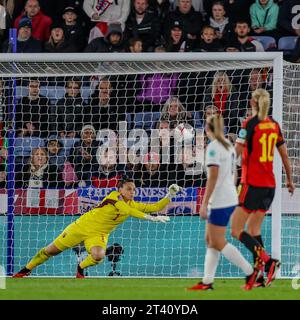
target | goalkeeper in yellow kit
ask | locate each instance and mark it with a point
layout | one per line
(94, 227)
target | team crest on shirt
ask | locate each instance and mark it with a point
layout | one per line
(243, 133)
(212, 153)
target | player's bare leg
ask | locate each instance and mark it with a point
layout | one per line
(43, 255)
(238, 221)
(261, 257)
(95, 256)
(254, 227)
(271, 265)
(218, 244)
(212, 256)
(254, 223)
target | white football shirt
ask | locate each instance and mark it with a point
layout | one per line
(224, 194)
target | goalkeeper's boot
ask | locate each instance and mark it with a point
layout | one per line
(273, 267)
(201, 286)
(260, 282)
(80, 273)
(22, 273)
(251, 279)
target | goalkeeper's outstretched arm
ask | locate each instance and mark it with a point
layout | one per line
(139, 209)
(161, 204)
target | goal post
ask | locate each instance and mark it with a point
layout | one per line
(179, 257)
(277, 203)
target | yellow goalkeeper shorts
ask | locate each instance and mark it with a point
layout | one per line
(74, 235)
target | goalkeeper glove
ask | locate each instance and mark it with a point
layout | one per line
(163, 219)
(173, 189)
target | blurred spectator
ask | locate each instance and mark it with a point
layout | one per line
(54, 10)
(102, 111)
(67, 115)
(72, 29)
(296, 52)
(110, 171)
(40, 22)
(143, 24)
(3, 105)
(209, 41)
(15, 7)
(38, 173)
(57, 42)
(220, 22)
(56, 152)
(288, 19)
(174, 112)
(255, 80)
(154, 90)
(83, 156)
(210, 110)
(166, 141)
(135, 45)
(2, 17)
(57, 8)
(25, 42)
(176, 40)
(154, 174)
(107, 11)
(242, 41)
(160, 7)
(3, 24)
(2, 176)
(189, 173)
(32, 112)
(264, 16)
(113, 41)
(3, 149)
(238, 9)
(190, 19)
(225, 97)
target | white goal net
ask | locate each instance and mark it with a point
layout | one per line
(73, 127)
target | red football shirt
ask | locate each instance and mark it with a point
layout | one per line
(259, 139)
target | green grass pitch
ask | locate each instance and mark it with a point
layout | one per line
(139, 289)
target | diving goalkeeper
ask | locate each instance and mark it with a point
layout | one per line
(94, 227)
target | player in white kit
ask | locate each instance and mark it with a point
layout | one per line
(219, 202)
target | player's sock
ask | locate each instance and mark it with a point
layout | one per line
(38, 259)
(89, 261)
(254, 246)
(260, 240)
(210, 265)
(232, 254)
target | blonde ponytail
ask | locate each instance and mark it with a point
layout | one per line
(216, 125)
(262, 98)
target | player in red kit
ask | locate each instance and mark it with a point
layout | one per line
(257, 140)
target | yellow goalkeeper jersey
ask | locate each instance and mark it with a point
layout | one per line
(113, 210)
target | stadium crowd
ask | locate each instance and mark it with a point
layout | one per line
(56, 143)
(145, 25)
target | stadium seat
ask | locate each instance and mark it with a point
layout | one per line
(54, 93)
(68, 144)
(287, 44)
(23, 146)
(146, 120)
(269, 43)
(21, 92)
(86, 92)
